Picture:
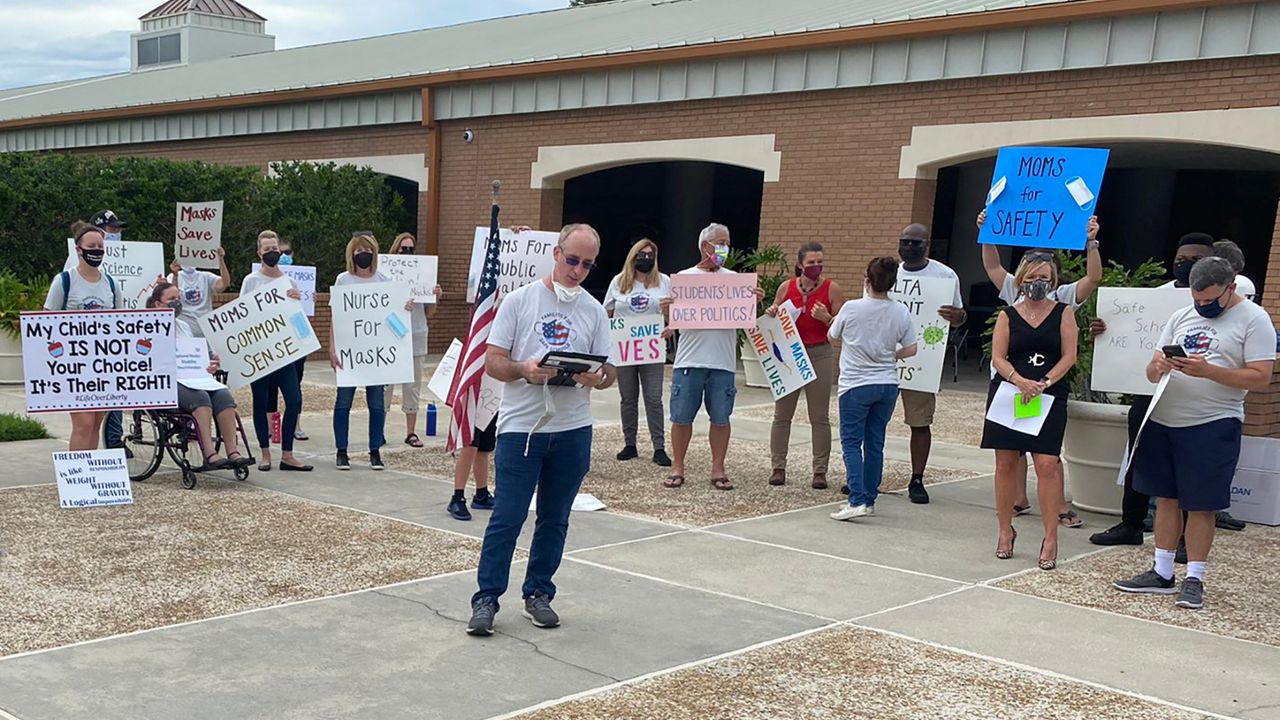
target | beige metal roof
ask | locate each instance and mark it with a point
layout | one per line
(225, 8)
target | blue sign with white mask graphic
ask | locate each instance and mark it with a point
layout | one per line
(1043, 196)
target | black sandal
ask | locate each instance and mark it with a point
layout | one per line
(674, 481)
(239, 461)
(221, 464)
(721, 483)
(412, 440)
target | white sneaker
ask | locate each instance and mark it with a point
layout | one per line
(871, 510)
(849, 512)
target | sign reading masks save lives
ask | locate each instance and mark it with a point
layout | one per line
(113, 360)
(525, 257)
(198, 234)
(782, 355)
(133, 265)
(371, 333)
(637, 340)
(1043, 196)
(92, 478)
(922, 297)
(1135, 319)
(419, 271)
(259, 333)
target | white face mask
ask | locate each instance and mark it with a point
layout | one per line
(548, 412)
(188, 270)
(566, 294)
(111, 237)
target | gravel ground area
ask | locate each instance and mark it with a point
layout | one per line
(957, 420)
(178, 555)
(849, 672)
(1242, 598)
(635, 487)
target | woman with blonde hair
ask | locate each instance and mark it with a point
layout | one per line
(362, 267)
(419, 314)
(637, 291)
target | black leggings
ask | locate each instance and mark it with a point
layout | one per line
(286, 381)
(273, 395)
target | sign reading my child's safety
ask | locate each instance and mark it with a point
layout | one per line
(259, 333)
(371, 334)
(133, 265)
(198, 234)
(111, 360)
(1043, 196)
(1135, 319)
(922, 297)
(711, 301)
(782, 355)
(92, 478)
(525, 256)
(637, 340)
(417, 270)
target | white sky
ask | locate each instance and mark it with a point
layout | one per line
(52, 40)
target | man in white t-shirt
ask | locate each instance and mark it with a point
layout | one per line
(1221, 347)
(197, 288)
(544, 429)
(1231, 252)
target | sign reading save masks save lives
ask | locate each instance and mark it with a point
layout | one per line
(923, 296)
(259, 333)
(637, 340)
(1043, 196)
(371, 333)
(781, 353)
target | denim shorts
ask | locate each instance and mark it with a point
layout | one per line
(690, 385)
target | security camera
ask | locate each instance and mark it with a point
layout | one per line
(468, 136)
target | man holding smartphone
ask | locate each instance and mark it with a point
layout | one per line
(544, 429)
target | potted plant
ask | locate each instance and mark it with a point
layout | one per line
(15, 297)
(769, 263)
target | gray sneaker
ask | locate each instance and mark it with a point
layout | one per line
(482, 612)
(1192, 595)
(537, 608)
(1149, 583)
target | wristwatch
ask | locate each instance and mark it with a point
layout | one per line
(1092, 245)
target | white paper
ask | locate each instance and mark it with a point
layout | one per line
(582, 502)
(304, 276)
(442, 378)
(193, 358)
(93, 478)
(417, 270)
(525, 257)
(198, 234)
(490, 399)
(1155, 400)
(1001, 411)
(1124, 464)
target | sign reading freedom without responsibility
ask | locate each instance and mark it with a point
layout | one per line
(1135, 319)
(637, 340)
(713, 301)
(88, 361)
(259, 333)
(92, 478)
(525, 257)
(922, 297)
(419, 271)
(1043, 196)
(198, 234)
(371, 333)
(133, 265)
(781, 353)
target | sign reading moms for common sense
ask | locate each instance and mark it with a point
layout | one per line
(713, 301)
(89, 361)
(259, 333)
(922, 296)
(1043, 196)
(92, 478)
(198, 234)
(371, 333)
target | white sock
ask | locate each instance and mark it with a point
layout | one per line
(1164, 563)
(1195, 570)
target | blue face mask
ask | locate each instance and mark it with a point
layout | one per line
(286, 259)
(1213, 308)
(111, 237)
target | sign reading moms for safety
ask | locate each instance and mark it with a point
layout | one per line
(1043, 196)
(637, 340)
(259, 333)
(133, 265)
(417, 270)
(198, 234)
(782, 355)
(709, 301)
(112, 360)
(304, 276)
(1135, 319)
(92, 478)
(371, 333)
(922, 297)
(526, 256)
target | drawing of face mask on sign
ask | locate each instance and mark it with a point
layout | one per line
(1080, 192)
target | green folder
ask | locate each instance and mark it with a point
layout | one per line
(1024, 408)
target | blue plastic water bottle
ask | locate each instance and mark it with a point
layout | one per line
(431, 419)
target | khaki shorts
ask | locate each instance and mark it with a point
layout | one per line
(918, 407)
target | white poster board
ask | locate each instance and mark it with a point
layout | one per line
(525, 257)
(259, 333)
(1135, 319)
(922, 296)
(782, 354)
(419, 271)
(92, 478)
(442, 378)
(372, 334)
(305, 277)
(109, 360)
(489, 401)
(637, 340)
(133, 265)
(198, 234)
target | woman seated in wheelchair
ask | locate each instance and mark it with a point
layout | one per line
(203, 404)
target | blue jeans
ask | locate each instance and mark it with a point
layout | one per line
(864, 415)
(554, 466)
(113, 429)
(377, 416)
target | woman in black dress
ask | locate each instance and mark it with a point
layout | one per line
(1034, 348)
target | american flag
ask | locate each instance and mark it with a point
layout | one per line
(465, 390)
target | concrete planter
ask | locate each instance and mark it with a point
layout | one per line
(10, 360)
(751, 366)
(1092, 451)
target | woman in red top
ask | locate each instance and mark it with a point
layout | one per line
(813, 300)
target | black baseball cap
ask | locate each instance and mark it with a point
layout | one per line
(106, 219)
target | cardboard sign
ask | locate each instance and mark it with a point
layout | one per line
(133, 265)
(713, 301)
(371, 334)
(417, 270)
(442, 378)
(259, 333)
(305, 278)
(1135, 319)
(1043, 196)
(782, 354)
(109, 360)
(525, 257)
(922, 297)
(1255, 490)
(92, 478)
(198, 234)
(637, 340)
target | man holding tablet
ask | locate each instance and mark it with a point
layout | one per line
(544, 422)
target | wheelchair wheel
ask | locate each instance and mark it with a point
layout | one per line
(143, 444)
(242, 473)
(188, 478)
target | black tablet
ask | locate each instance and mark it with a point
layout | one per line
(567, 363)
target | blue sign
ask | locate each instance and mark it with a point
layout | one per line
(1043, 196)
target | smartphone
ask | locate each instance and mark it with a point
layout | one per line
(1173, 351)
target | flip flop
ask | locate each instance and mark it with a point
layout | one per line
(722, 483)
(1022, 510)
(1070, 519)
(674, 481)
(413, 440)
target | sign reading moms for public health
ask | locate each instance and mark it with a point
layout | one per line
(637, 340)
(922, 297)
(371, 333)
(1135, 319)
(113, 360)
(92, 478)
(1043, 196)
(198, 234)
(259, 333)
(304, 276)
(710, 301)
(525, 256)
(133, 265)
(419, 271)
(782, 355)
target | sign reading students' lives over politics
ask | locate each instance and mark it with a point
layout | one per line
(1043, 196)
(111, 360)
(304, 276)
(781, 353)
(417, 270)
(371, 334)
(259, 333)
(198, 234)
(525, 256)
(133, 265)
(710, 301)
(637, 340)
(922, 297)
(92, 478)
(1135, 319)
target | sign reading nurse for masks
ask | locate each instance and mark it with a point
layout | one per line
(713, 301)
(637, 340)
(1135, 319)
(259, 333)
(198, 234)
(92, 478)
(922, 296)
(371, 333)
(1043, 196)
(133, 265)
(85, 361)
(526, 256)
(304, 276)
(782, 355)
(419, 271)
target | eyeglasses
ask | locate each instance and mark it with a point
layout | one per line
(575, 261)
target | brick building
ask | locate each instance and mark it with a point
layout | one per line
(811, 120)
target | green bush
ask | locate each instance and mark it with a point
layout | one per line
(14, 427)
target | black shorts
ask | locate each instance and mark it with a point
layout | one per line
(1193, 464)
(487, 439)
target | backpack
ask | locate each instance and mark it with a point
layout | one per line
(65, 277)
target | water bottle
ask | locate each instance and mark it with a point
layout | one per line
(431, 419)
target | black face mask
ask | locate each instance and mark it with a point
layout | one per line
(1182, 273)
(363, 260)
(93, 257)
(644, 265)
(911, 253)
(406, 250)
(175, 305)
(271, 258)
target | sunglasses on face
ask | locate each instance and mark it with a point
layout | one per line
(647, 255)
(911, 241)
(575, 261)
(1039, 256)
(287, 252)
